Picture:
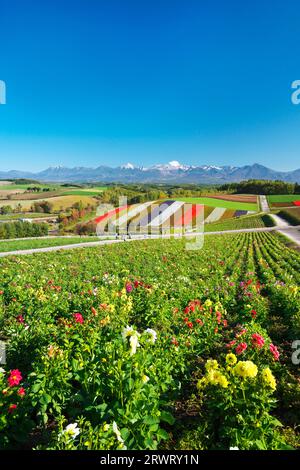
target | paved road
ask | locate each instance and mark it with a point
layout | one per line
(286, 229)
(289, 231)
(264, 204)
(280, 223)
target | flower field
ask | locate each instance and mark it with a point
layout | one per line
(147, 345)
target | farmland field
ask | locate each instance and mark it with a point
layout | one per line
(13, 245)
(148, 345)
(217, 202)
(59, 202)
(252, 221)
(283, 200)
(23, 187)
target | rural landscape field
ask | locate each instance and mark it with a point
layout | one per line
(147, 344)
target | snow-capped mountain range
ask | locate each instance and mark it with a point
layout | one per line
(172, 172)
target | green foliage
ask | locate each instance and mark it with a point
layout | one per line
(254, 186)
(22, 230)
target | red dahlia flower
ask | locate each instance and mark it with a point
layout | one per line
(12, 408)
(78, 318)
(21, 392)
(257, 340)
(274, 351)
(241, 348)
(14, 378)
(129, 287)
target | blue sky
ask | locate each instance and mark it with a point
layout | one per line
(93, 82)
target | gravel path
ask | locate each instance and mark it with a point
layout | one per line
(264, 204)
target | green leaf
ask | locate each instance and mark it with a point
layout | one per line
(153, 428)
(167, 417)
(162, 434)
(151, 420)
(35, 388)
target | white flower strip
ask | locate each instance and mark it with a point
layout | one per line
(161, 218)
(132, 213)
(215, 215)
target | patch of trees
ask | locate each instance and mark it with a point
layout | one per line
(261, 187)
(22, 230)
(37, 189)
(86, 229)
(4, 210)
(44, 207)
(72, 185)
(77, 212)
(23, 181)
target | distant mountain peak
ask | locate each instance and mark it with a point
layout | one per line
(171, 172)
(128, 166)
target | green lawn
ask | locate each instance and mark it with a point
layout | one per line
(220, 203)
(284, 198)
(83, 192)
(33, 215)
(6, 246)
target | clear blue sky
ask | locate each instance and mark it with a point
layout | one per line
(93, 82)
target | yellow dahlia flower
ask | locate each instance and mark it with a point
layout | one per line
(269, 378)
(245, 369)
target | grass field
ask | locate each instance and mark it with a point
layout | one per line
(83, 192)
(28, 215)
(237, 223)
(13, 245)
(214, 202)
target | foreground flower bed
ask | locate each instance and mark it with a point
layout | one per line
(148, 346)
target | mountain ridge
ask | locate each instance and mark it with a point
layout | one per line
(173, 172)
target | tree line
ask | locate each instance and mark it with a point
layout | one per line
(22, 230)
(268, 187)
